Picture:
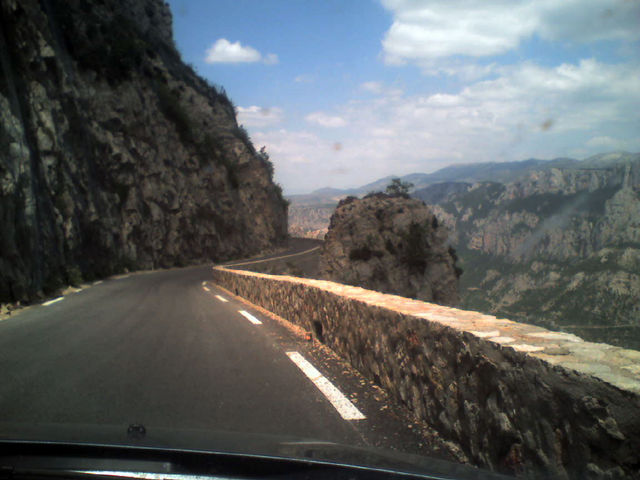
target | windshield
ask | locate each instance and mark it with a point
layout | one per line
(270, 227)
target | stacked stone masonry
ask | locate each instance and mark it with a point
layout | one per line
(514, 397)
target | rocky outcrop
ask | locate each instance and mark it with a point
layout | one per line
(392, 245)
(114, 154)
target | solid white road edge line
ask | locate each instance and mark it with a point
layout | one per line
(221, 298)
(345, 408)
(206, 289)
(250, 317)
(51, 302)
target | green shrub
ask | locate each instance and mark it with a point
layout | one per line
(278, 189)
(398, 188)
(415, 247)
(224, 98)
(264, 158)
(241, 133)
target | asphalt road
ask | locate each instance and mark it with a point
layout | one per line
(161, 349)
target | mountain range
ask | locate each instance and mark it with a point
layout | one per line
(470, 172)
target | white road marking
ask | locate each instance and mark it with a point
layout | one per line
(345, 408)
(206, 289)
(250, 317)
(221, 298)
(98, 282)
(204, 283)
(51, 302)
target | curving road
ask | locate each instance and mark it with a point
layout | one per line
(166, 350)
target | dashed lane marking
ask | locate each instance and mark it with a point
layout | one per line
(206, 289)
(221, 298)
(51, 302)
(250, 317)
(345, 408)
(98, 282)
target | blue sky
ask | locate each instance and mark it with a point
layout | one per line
(345, 92)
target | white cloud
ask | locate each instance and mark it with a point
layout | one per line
(299, 157)
(306, 160)
(260, 117)
(324, 120)
(224, 51)
(426, 33)
(528, 110)
(423, 31)
(287, 147)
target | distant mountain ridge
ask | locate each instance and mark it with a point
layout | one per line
(309, 213)
(469, 172)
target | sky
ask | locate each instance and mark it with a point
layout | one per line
(344, 92)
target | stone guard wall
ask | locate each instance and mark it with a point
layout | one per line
(514, 397)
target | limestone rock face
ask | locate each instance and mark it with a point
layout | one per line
(560, 247)
(114, 154)
(392, 245)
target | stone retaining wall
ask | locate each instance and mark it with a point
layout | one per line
(514, 397)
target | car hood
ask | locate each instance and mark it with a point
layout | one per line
(235, 443)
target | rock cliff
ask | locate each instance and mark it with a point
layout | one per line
(392, 245)
(114, 154)
(560, 247)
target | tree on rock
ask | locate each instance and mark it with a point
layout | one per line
(398, 188)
